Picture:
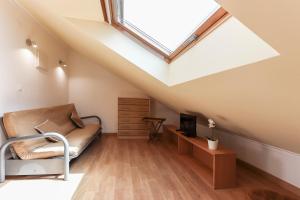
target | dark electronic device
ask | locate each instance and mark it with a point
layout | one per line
(188, 125)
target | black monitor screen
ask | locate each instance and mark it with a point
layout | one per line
(188, 124)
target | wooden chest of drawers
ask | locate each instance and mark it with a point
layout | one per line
(131, 112)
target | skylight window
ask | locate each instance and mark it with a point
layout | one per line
(166, 26)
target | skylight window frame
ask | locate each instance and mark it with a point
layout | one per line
(204, 29)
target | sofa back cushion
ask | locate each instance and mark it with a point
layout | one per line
(49, 126)
(22, 123)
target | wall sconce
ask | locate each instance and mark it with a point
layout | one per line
(31, 43)
(62, 63)
(35, 51)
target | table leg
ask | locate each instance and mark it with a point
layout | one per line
(224, 172)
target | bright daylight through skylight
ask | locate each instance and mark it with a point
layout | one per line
(166, 23)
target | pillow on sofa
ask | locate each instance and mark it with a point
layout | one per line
(49, 126)
(76, 119)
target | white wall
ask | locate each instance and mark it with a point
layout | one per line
(229, 46)
(22, 84)
(125, 46)
(279, 162)
(232, 45)
(160, 110)
(94, 90)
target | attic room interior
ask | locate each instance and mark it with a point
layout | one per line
(136, 99)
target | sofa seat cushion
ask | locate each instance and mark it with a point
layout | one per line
(22, 123)
(78, 139)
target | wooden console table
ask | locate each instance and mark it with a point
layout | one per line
(219, 166)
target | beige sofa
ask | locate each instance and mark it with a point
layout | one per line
(22, 124)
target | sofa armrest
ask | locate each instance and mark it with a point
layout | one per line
(34, 137)
(92, 116)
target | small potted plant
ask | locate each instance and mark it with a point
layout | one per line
(213, 140)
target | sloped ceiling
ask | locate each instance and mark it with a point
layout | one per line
(259, 100)
(79, 9)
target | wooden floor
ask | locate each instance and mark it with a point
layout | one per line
(135, 169)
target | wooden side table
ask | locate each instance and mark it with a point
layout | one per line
(156, 123)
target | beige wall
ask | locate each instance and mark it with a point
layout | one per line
(22, 84)
(95, 90)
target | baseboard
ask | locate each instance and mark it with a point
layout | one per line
(133, 137)
(109, 134)
(270, 177)
(125, 137)
(278, 162)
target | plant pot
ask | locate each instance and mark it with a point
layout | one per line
(212, 144)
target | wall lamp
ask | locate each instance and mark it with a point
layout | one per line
(62, 63)
(31, 43)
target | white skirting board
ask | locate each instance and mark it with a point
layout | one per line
(281, 163)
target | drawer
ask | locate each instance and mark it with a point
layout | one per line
(129, 101)
(133, 108)
(124, 114)
(131, 120)
(133, 133)
(133, 127)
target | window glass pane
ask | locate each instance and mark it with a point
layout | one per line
(169, 22)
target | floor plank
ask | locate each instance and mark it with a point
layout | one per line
(127, 169)
(135, 169)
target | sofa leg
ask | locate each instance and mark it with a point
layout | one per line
(34, 137)
(2, 161)
(66, 170)
(66, 158)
